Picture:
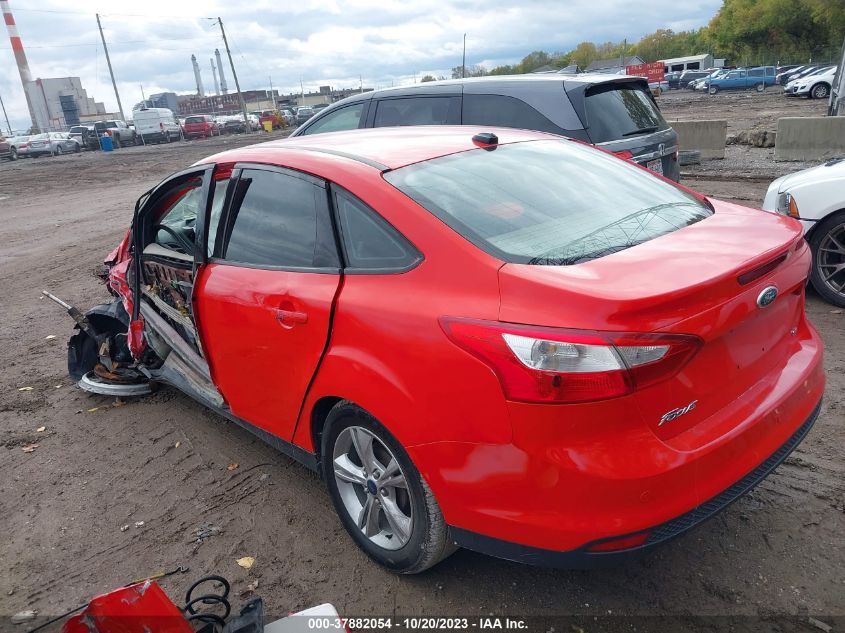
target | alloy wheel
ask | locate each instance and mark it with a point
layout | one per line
(373, 488)
(820, 91)
(830, 259)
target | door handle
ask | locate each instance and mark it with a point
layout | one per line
(290, 318)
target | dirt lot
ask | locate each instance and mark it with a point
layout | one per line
(159, 465)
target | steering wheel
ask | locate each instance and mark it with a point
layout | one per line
(184, 242)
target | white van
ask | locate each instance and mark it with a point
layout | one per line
(156, 125)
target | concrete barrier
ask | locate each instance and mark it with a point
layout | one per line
(708, 137)
(810, 138)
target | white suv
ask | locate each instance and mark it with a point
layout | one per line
(816, 197)
(815, 85)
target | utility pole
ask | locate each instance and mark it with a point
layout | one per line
(272, 98)
(8, 125)
(361, 83)
(235, 75)
(111, 72)
(464, 61)
(143, 96)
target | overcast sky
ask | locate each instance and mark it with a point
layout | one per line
(320, 42)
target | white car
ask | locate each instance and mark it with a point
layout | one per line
(816, 197)
(815, 85)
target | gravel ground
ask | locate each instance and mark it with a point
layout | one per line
(160, 465)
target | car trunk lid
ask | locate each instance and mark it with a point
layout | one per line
(705, 280)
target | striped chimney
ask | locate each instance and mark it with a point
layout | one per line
(20, 55)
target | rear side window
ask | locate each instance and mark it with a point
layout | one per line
(279, 220)
(418, 111)
(369, 241)
(756, 72)
(548, 202)
(347, 118)
(616, 111)
(504, 111)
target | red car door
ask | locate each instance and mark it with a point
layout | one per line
(264, 298)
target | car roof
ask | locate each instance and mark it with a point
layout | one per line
(383, 148)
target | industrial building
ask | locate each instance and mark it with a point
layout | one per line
(58, 103)
(326, 94)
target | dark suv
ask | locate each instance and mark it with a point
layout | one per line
(617, 113)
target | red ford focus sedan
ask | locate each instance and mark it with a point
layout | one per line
(494, 339)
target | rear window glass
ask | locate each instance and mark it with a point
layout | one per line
(505, 111)
(77, 129)
(418, 111)
(195, 119)
(618, 111)
(548, 202)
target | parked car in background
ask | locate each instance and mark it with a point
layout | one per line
(156, 125)
(86, 136)
(701, 82)
(274, 117)
(743, 79)
(303, 114)
(816, 197)
(672, 80)
(620, 113)
(52, 144)
(785, 73)
(319, 107)
(691, 75)
(815, 85)
(234, 125)
(289, 116)
(120, 133)
(483, 337)
(200, 126)
(800, 71)
(5, 148)
(18, 147)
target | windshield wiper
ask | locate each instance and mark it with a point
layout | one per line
(642, 130)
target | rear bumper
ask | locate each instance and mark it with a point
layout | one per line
(582, 557)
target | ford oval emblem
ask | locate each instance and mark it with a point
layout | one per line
(767, 297)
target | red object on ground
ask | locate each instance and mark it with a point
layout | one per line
(139, 608)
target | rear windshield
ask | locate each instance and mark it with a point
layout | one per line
(548, 202)
(195, 119)
(78, 129)
(619, 111)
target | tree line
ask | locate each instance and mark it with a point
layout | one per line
(745, 32)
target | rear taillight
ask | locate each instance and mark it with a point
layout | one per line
(555, 365)
(624, 155)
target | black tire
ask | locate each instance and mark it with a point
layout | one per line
(13, 153)
(819, 91)
(59, 151)
(428, 542)
(115, 142)
(77, 148)
(713, 90)
(833, 223)
(760, 87)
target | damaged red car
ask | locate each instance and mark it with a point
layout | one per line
(498, 339)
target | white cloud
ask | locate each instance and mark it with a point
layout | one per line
(318, 41)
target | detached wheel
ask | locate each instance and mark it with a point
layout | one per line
(381, 499)
(828, 271)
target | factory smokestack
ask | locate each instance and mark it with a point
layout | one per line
(20, 56)
(214, 72)
(220, 70)
(197, 75)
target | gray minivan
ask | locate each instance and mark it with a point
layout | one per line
(614, 112)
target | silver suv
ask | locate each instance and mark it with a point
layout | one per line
(616, 113)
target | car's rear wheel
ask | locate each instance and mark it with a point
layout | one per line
(13, 154)
(820, 91)
(383, 502)
(760, 87)
(59, 151)
(828, 271)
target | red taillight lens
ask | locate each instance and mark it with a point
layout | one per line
(624, 154)
(541, 364)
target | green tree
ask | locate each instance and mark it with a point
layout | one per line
(472, 71)
(583, 54)
(427, 78)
